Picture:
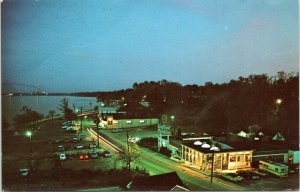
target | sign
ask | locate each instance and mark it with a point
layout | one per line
(164, 129)
(164, 119)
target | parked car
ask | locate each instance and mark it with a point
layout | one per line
(247, 174)
(116, 131)
(23, 172)
(94, 155)
(93, 145)
(61, 148)
(64, 126)
(79, 147)
(67, 140)
(133, 139)
(83, 156)
(106, 154)
(75, 139)
(260, 172)
(62, 157)
(232, 177)
(67, 123)
(56, 140)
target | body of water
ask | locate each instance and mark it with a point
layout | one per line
(11, 106)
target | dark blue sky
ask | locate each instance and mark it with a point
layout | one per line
(101, 45)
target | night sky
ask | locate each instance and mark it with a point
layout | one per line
(104, 45)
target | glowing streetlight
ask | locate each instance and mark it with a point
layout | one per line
(29, 134)
(173, 119)
(278, 101)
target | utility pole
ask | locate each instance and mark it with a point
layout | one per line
(97, 125)
(80, 119)
(128, 153)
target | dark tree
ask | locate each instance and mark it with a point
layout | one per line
(27, 116)
(64, 107)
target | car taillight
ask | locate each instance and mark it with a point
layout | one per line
(81, 157)
(86, 156)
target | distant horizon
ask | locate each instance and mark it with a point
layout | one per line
(219, 83)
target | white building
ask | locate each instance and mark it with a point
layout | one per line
(226, 159)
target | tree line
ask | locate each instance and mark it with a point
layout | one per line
(251, 101)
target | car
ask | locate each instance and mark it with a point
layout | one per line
(83, 156)
(23, 172)
(116, 131)
(75, 139)
(232, 177)
(67, 123)
(94, 155)
(247, 174)
(260, 172)
(93, 145)
(133, 139)
(79, 147)
(67, 140)
(56, 140)
(62, 157)
(106, 154)
(64, 126)
(60, 148)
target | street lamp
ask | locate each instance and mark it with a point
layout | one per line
(29, 134)
(278, 101)
(213, 149)
(173, 119)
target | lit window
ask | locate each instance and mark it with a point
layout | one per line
(232, 159)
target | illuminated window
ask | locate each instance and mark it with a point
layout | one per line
(232, 159)
(248, 157)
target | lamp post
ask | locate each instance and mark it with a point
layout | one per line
(213, 149)
(278, 101)
(97, 125)
(173, 119)
(80, 119)
(29, 134)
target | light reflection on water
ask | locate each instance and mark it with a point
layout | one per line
(43, 104)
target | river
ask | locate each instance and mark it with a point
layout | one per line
(12, 105)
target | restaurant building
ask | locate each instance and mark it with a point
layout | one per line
(200, 155)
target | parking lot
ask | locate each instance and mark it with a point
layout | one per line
(48, 141)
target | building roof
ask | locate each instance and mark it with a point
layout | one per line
(207, 150)
(179, 188)
(162, 182)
